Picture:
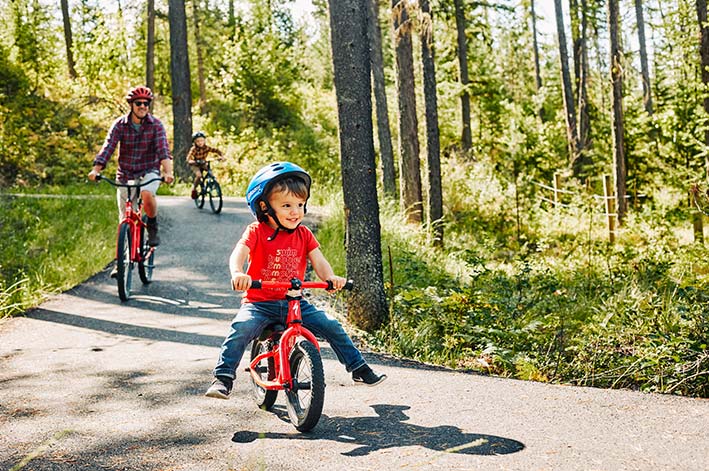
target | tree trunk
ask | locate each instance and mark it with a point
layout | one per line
(367, 305)
(200, 59)
(467, 138)
(579, 14)
(181, 92)
(647, 91)
(68, 39)
(409, 160)
(150, 47)
(567, 89)
(386, 152)
(618, 126)
(535, 44)
(433, 146)
(704, 61)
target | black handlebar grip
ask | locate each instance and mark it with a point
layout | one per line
(98, 177)
(349, 285)
(255, 284)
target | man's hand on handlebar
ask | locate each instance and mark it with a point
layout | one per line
(94, 173)
(240, 282)
(168, 177)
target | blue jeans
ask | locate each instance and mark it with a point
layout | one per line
(253, 317)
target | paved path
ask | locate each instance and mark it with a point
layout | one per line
(89, 383)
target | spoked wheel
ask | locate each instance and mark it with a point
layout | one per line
(265, 398)
(306, 398)
(147, 256)
(123, 263)
(215, 196)
(199, 202)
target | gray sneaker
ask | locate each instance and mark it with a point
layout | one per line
(220, 388)
(365, 375)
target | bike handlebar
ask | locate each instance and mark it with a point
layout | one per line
(100, 177)
(297, 284)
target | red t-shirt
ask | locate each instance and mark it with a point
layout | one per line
(280, 259)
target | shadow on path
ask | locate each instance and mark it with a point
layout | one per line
(120, 328)
(388, 430)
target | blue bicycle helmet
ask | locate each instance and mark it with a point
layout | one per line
(267, 176)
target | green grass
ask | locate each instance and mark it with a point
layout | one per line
(50, 244)
(555, 302)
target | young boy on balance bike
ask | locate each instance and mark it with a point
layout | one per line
(277, 248)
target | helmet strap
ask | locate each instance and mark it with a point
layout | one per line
(270, 211)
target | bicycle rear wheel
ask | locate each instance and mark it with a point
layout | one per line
(123, 262)
(199, 201)
(147, 256)
(215, 196)
(265, 398)
(307, 396)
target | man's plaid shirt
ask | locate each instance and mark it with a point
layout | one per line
(141, 151)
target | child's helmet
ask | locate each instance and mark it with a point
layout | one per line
(139, 92)
(198, 134)
(267, 176)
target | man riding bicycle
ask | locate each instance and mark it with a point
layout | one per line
(196, 158)
(143, 152)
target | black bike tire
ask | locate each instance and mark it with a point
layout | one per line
(199, 201)
(306, 416)
(215, 202)
(123, 262)
(145, 265)
(265, 398)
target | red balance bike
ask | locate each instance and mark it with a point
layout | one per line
(287, 357)
(132, 242)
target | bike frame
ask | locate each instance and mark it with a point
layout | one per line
(134, 219)
(288, 338)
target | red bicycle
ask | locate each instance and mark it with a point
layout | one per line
(287, 357)
(132, 244)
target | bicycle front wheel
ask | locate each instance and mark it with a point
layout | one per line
(265, 398)
(215, 196)
(123, 262)
(199, 201)
(307, 396)
(147, 256)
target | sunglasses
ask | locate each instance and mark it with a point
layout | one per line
(141, 103)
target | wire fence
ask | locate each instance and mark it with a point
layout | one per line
(606, 206)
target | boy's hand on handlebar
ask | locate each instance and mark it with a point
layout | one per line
(240, 282)
(337, 282)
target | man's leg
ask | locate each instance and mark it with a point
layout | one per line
(150, 207)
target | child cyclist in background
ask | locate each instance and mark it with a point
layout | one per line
(277, 248)
(197, 156)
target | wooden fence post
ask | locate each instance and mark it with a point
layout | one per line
(697, 220)
(610, 206)
(557, 188)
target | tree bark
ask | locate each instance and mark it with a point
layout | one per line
(579, 30)
(150, 47)
(535, 45)
(367, 305)
(386, 152)
(433, 146)
(68, 38)
(704, 62)
(567, 89)
(466, 138)
(181, 91)
(618, 125)
(645, 70)
(409, 159)
(200, 59)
